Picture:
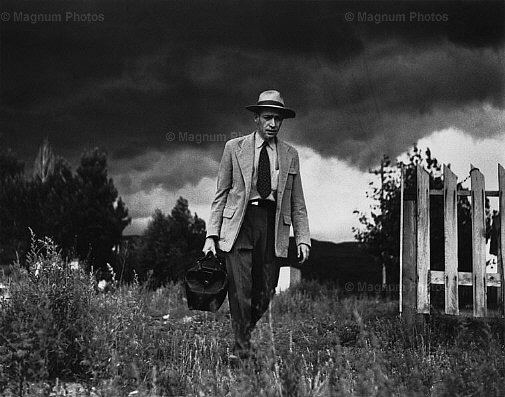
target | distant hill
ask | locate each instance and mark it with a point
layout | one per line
(340, 263)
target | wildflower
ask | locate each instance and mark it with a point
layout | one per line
(112, 273)
(38, 268)
(74, 265)
(102, 285)
(4, 291)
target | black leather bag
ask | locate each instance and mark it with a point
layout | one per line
(206, 284)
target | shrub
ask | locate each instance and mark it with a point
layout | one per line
(45, 326)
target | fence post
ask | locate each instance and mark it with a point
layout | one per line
(451, 241)
(478, 244)
(409, 268)
(423, 240)
(501, 241)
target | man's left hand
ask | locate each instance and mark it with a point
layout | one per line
(303, 252)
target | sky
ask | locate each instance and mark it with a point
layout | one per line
(161, 85)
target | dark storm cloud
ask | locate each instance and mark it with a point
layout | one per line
(385, 104)
(166, 170)
(360, 88)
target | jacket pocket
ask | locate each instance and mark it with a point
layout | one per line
(287, 219)
(228, 212)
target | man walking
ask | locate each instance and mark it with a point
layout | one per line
(259, 196)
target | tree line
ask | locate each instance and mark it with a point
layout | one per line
(84, 215)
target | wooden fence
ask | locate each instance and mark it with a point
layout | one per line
(415, 273)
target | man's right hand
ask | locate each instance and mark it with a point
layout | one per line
(210, 245)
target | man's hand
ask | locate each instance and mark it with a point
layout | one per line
(303, 252)
(210, 245)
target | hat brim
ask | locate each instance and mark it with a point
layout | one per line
(285, 112)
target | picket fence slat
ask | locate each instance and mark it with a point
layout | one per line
(451, 241)
(478, 243)
(409, 273)
(501, 243)
(423, 240)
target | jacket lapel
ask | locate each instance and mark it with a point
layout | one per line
(284, 157)
(245, 157)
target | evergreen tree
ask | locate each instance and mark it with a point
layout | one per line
(154, 252)
(170, 244)
(101, 215)
(43, 166)
(13, 208)
(81, 212)
(54, 204)
(10, 167)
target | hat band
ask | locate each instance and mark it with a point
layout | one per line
(273, 103)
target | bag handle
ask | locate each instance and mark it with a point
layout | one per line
(208, 255)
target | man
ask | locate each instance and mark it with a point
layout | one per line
(259, 196)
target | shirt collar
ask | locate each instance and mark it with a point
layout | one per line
(258, 141)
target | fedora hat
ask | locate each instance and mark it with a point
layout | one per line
(272, 99)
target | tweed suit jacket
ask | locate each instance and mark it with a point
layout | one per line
(234, 189)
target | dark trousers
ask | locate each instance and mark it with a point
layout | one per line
(253, 272)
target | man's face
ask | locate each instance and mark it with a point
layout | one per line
(269, 122)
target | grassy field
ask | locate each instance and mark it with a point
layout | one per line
(315, 342)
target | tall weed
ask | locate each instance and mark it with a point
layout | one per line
(46, 325)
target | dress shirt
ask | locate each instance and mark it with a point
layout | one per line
(274, 167)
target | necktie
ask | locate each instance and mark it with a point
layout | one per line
(264, 184)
